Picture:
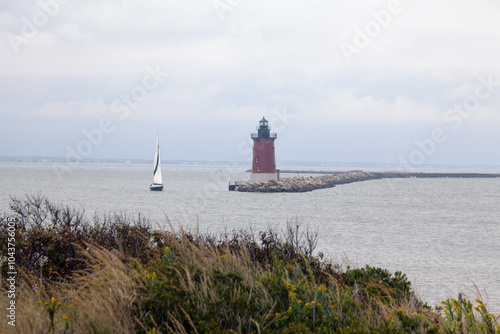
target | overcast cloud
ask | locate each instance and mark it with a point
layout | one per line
(356, 81)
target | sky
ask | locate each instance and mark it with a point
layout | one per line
(409, 82)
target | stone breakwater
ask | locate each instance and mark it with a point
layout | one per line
(304, 184)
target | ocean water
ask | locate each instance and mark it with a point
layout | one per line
(443, 233)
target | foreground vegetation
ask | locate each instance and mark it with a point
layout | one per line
(116, 274)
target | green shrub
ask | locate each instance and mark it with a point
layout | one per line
(380, 283)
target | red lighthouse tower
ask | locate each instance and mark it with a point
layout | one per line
(263, 163)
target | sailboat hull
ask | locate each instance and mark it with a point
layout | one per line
(156, 187)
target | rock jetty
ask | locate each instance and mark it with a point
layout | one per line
(310, 183)
(303, 184)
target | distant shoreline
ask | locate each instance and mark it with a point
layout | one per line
(306, 167)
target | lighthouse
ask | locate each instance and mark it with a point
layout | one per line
(263, 163)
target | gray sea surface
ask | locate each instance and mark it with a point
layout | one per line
(443, 233)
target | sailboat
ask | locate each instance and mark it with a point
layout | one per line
(157, 181)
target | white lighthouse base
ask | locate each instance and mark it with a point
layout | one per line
(263, 177)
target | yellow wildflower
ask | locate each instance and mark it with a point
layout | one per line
(313, 302)
(46, 303)
(333, 305)
(39, 302)
(278, 314)
(389, 318)
(307, 304)
(59, 303)
(154, 275)
(222, 257)
(167, 248)
(53, 300)
(65, 318)
(319, 305)
(479, 301)
(148, 277)
(289, 267)
(289, 309)
(300, 301)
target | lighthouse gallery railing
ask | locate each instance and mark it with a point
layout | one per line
(271, 135)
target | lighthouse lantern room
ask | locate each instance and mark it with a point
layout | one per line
(263, 163)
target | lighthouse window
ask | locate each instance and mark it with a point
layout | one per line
(258, 168)
(256, 159)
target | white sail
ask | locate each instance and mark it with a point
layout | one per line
(157, 166)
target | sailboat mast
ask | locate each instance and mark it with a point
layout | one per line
(157, 177)
(157, 156)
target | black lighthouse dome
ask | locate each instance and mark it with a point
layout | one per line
(263, 123)
(264, 131)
